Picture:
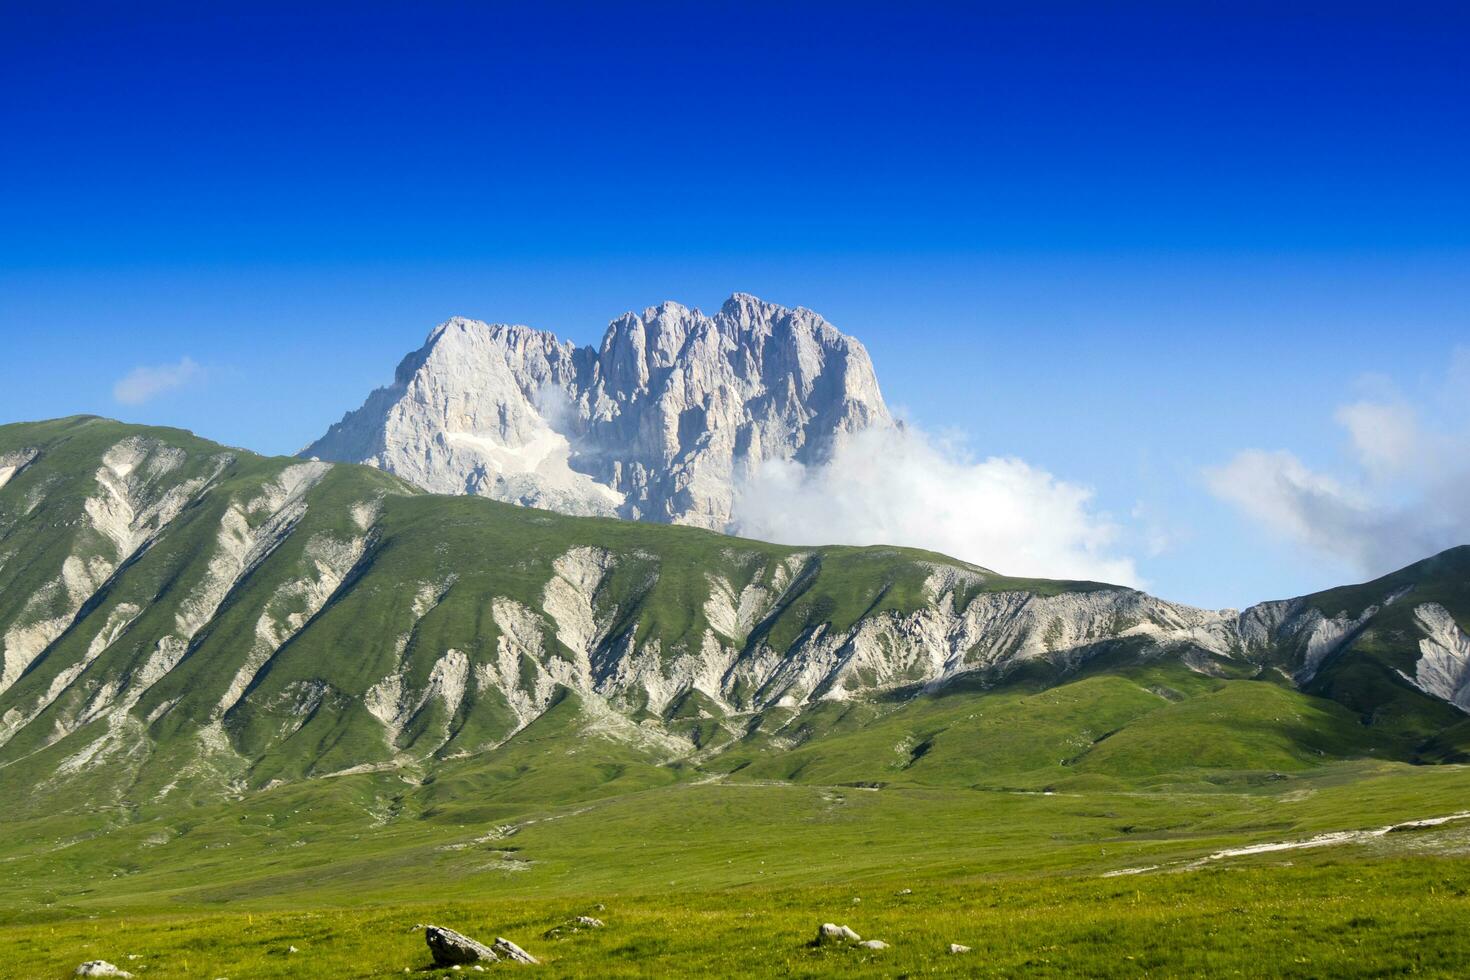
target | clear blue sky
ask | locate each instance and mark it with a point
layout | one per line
(1120, 241)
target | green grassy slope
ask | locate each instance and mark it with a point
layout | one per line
(204, 783)
(733, 877)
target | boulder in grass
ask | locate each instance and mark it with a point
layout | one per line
(957, 948)
(831, 934)
(99, 968)
(873, 944)
(508, 950)
(587, 922)
(450, 948)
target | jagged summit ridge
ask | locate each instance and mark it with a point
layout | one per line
(656, 424)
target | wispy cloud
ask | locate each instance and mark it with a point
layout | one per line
(904, 487)
(144, 383)
(1398, 495)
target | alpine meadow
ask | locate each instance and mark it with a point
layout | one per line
(259, 704)
(804, 490)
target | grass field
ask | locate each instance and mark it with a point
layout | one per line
(733, 878)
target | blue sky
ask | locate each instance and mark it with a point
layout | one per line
(1122, 242)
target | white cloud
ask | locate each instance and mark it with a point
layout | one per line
(1385, 436)
(902, 487)
(145, 383)
(1400, 495)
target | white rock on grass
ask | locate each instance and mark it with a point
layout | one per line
(831, 934)
(99, 968)
(449, 947)
(455, 949)
(873, 944)
(508, 950)
(957, 948)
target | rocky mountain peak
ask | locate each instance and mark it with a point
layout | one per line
(655, 424)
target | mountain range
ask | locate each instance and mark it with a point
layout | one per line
(658, 424)
(181, 620)
(258, 715)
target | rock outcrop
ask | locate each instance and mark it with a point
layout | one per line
(657, 424)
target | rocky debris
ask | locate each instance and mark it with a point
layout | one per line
(99, 968)
(576, 924)
(956, 948)
(905, 891)
(873, 944)
(831, 934)
(1443, 670)
(450, 947)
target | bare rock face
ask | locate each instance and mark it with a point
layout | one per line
(1443, 670)
(13, 462)
(657, 424)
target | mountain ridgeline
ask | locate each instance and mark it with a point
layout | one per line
(179, 618)
(658, 424)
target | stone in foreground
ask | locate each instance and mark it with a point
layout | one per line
(508, 950)
(873, 944)
(99, 968)
(957, 948)
(830, 934)
(451, 948)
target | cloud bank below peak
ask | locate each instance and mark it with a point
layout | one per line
(903, 486)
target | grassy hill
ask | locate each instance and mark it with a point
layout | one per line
(251, 703)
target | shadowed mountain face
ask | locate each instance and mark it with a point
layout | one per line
(182, 618)
(657, 425)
